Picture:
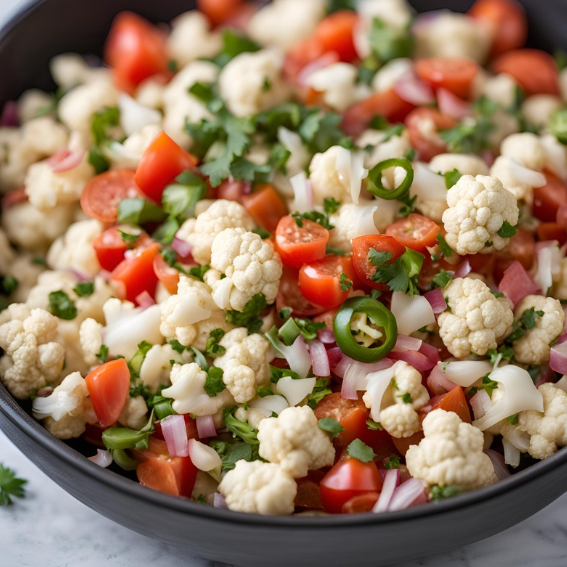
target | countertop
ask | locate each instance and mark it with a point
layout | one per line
(49, 528)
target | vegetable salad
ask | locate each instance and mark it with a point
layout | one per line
(307, 257)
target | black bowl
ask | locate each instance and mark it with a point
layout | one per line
(27, 43)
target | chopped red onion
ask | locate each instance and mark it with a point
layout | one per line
(319, 359)
(558, 358)
(409, 493)
(413, 358)
(517, 283)
(480, 403)
(326, 336)
(219, 501)
(343, 365)
(79, 276)
(511, 453)
(405, 343)
(413, 90)
(562, 339)
(206, 426)
(182, 248)
(102, 458)
(348, 389)
(145, 300)
(488, 157)
(436, 300)
(500, 468)
(175, 434)
(321, 63)
(391, 481)
(438, 383)
(10, 117)
(45, 392)
(546, 375)
(357, 370)
(430, 351)
(452, 105)
(65, 160)
(463, 269)
(335, 356)
(14, 198)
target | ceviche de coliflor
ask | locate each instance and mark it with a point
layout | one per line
(303, 257)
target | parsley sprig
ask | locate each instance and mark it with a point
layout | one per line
(10, 486)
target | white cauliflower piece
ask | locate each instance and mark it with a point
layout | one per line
(188, 393)
(537, 109)
(33, 353)
(501, 168)
(134, 414)
(388, 75)
(27, 273)
(500, 88)
(90, 340)
(217, 320)
(251, 416)
(327, 181)
(129, 154)
(475, 320)
(533, 348)
(450, 454)
(404, 396)
(70, 69)
(395, 147)
(156, 368)
(337, 82)
(7, 253)
(295, 441)
(260, 488)
(74, 250)
(525, 148)
(150, 93)
(31, 102)
(504, 124)
(245, 363)
(201, 232)
(478, 207)
(465, 164)
(252, 82)
(555, 155)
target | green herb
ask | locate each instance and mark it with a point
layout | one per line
(287, 115)
(446, 250)
(177, 346)
(314, 216)
(97, 159)
(400, 275)
(409, 205)
(250, 315)
(308, 328)
(277, 374)
(319, 392)
(439, 493)
(213, 348)
(488, 385)
(262, 233)
(285, 312)
(443, 278)
(529, 316)
(103, 353)
(10, 486)
(339, 5)
(558, 125)
(8, 284)
(321, 130)
(389, 42)
(331, 205)
(37, 261)
(451, 178)
(410, 154)
(264, 391)
(497, 293)
(392, 462)
(560, 57)
(139, 389)
(334, 251)
(373, 425)
(179, 200)
(139, 211)
(84, 289)
(200, 358)
(345, 282)
(128, 238)
(331, 426)
(507, 230)
(199, 271)
(214, 384)
(239, 428)
(360, 451)
(61, 305)
(279, 156)
(135, 363)
(234, 43)
(103, 121)
(406, 398)
(233, 451)
(505, 352)
(513, 419)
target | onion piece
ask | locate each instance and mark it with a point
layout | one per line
(436, 300)
(205, 426)
(558, 358)
(411, 313)
(465, 372)
(297, 355)
(326, 336)
(182, 248)
(303, 197)
(351, 171)
(269, 405)
(295, 391)
(65, 160)
(511, 453)
(408, 494)
(516, 283)
(524, 175)
(500, 468)
(427, 185)
(405, 343)
(357, 375)
(102, 458)
(377, 384)
(548, 264)
(463, 269)
(480, 403)
(437, 382)
(561, 218)
(292, 142)
(203, 457)
(413, 90)
(452, 105)
(335, 355)
(135, 116)
(323, 61)
(219, 501)
(518, 439)
(145, 300)
(221, 295)
(319, 359)
(391, 481)
(175, 435)
(413, 358)
(430, 352)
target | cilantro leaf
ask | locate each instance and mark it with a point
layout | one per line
(84, 289)
(212, 348)
(308, 328)
(250, 315)
(392, 462)
(103, 121)
(345, 282)
(378, 258)
(335, 251)
(529, 316)
(389, 42)
(279, 156)
(61, 305)
(359, 450)
(406, 398)
(507, 230)
(488, 385)
(451, 178)
(103, 353)
(10, 486)
(339, 5)
(277, 373)
(402, 274)
(179, 200)
(239, 428)
(233, 451)
(513, 419)
(313, 216)
(262, 233)
(443, 278)
(439, 493)
(446, 250)
(330, 425)
(319, 392)
(8, 284)
(331, 205)
(139, 211)
(321, 130)
(409, 205)
(214, 384)
(558, 125)
(199, 271)
(373, 425)
(234, 43)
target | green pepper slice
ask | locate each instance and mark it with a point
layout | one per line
(379, 314)
(375, 185)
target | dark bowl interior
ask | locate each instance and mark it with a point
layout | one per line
(27, 43)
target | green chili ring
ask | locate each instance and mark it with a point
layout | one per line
(375, 178)
(379, 314)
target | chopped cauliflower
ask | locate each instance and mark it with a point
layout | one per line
(90, 339)
(27, 273)
(478, 208)
(388, 75)
(134, 414)
(252, 82)
(201, 232)
(217, 320)
(71, 69)
(526, 149)
(537, 109)
(502, 168)
(451, 454)
(250, 265)
(475, 321)
(129, 154)
(337, 82)
(33, 102)
(257, 487)
(245, 363)
(295, 441)
(251, 416)
(404, 396)
(394, 147)
(533, 348)
(465, 164)
(33, 353)
(501, 88)
(327, 181)
(156, 368)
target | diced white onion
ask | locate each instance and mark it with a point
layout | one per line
(134, 116)
(524, 175)
(295, 391)
(221, 295)
(511, 453)
(351, 171)
(465, 372)
(297, 356)
(203, 457)
(548, 264)
(518, 439)
(292, 142)
(102, 458)
(391, 480)
(480, 403)
(427, 185)
(303, 200)
(269, 405)
(189, 309)
(377, 384)
(411, 313)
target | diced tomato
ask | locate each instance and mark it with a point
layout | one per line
(109, 386)
(319, 281)
(521, 247)
(166, 274)
(428, 146)
(361, 247)
(301, 55)
(219, 11)
(136, 50)
(298, 245)
(289, 295)
(175, 476)
(454, 401)
(404, 443)
(136, 273)
(110, 247)
(240, 18)
(506, 20)
(549, 198)
(452, 73)
(308, 491)
(387, 104)
(361, 503)
(161, 163)
(102, 194)
(416, 232)
(551, 231)
(336, 33)
(265, 206)
(534, 70)
(348, 478)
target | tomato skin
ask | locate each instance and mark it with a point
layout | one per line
(387, 103)
(508, 21)
(534, 70)
(360, 249)
(427, 146)
(301, 55)
(289, 295)
(265, 206)
(175, 476)
(454, 401)
(166, 274)
(161, 163)
(299, 245)
(136, 273)
(348, 478)
(110, 247)
(361, 503)
(452, 73)
(109, 386)
(336, 33)
(102, 194)
(319, 281)
(308, 491)
(549, 198)
(136, 50)
(218, 11)
(416, 232)
(404, 443)
(521, 247)
(551, 231)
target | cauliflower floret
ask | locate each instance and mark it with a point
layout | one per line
(285, 23)
(33, 353)
(475, 320)
(501, 168)
(260, 488)
(217, 320)
(501, 89)
(405, 395)
(394, 147)
(156, 368)
(327, 181)
(559, 289)
(525, 148)
(533, 348)
(191, 38)
(129, 154)
(134, 414)
(150, 93)
(188, 393)
(31, 102)
(453, 35)
(75, 249)
(450, 454)
(465, 164)
(388, 75)
(245, 363)
(253, 82)
(537, 109)
(201, 232)
(251, 416)
(250, 265)
(90, 339)
(295, 441)
(27, 273)
(478, 208)
(70, 69)
(337, 82)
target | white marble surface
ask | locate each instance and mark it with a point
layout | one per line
(49, 528)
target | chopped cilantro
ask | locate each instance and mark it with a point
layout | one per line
(389, 42)
(319, 392)
(264, 391)
(446, 250)
(239, 428)
(103, 121)
(332, 426)
(213, 348)
(179, 200)
(139, 211)
(392, 462)
(8, 284)
(234, 43)
(451, 178)
(488, 385)
(61, 305)
(233, 451)
(285, 312)
(214, 384)
(339, 5)
(199, 271)
(360, 451)
(439, 493)
(406, 398)
(497, 293)
(177, 346)
(344, 282)
(331, 205)
(279, 156)
(103, 353)
(313, 216)
(513, 419)
(10, 486)
(250, 315)
(277, 373)
(262, 233)
(84, 289)
(128, 238)
(443, 278)
(308, 328)
(400, 275)
(558, 125)
(335, 251)
(408, 207)
(373, 425)
(529, 316)
(507, 230)
(321, 130)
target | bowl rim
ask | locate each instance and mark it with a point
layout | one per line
(12, 411)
